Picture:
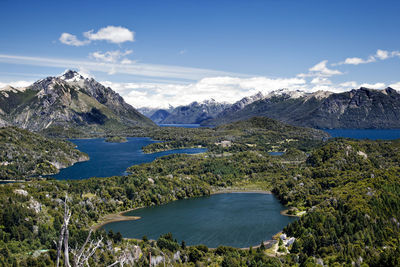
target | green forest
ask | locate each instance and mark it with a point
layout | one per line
(345, 192)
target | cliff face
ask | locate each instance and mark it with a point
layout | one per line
(361, 108)
(67, 100)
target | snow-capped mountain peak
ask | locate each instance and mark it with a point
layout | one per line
(287, 93)
(71, 76)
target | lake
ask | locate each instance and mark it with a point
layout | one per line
(181, 125)
(111, 159)
(372, 134)
(232, 219)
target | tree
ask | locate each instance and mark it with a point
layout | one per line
(82, 255)
(295, 247)
(309, 245)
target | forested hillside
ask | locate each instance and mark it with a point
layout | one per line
(24, 154)
(349, 191)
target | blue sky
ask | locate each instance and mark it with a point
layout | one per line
(156, 53)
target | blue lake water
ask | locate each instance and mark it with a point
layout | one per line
(236, 219)
(372, 134)
(110, 159)
(276, 153)
(181, 125)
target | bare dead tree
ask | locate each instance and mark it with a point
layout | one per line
(64, 236)
(59, 246)
(88, 249)
(121, 260)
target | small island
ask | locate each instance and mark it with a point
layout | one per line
(116, 139)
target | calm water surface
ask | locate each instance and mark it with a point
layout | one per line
(372, 134)
(236, 219)
(110, 159)
(181, 125)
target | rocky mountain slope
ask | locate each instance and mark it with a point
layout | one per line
(358, 108)
(69, 100)
(194, 113)
(24, 154)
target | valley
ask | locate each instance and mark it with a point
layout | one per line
(206, 133)
(195, 189)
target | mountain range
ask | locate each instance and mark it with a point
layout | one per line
(359, 108)
(73, 101)
(68, 100)
(194, 113)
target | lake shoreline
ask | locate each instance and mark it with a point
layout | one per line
(120, 216)
(233, 191)
(115, 217)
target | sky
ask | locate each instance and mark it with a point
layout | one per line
(161, 53)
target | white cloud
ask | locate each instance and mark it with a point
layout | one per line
(111, 56)
(373, 85)
(182, 52)
(223, 88)
(357, 60)
(321, 81)
(112, 34)
(126, 61)
(380, 54)
(321, 69)
(69, 39)
(85, 73)
(345, 86)
(136, 69)
(349, 84)
(16, 84)
(395, 85)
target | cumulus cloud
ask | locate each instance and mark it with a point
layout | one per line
(320, 70)
(357, 60)
(380, 54)
(112, 34)
(321, 81)
(16, 84)
(69, 39)
(345, 86)
(111, 56)
(373, 85)
(395, 85)
(349, 84)
(223, 89)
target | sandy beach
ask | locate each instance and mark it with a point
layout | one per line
(115, 217)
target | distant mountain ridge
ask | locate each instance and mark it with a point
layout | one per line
(68, 100)
(358, 108)
(194, 113)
